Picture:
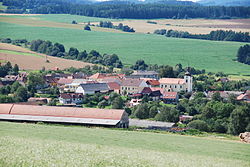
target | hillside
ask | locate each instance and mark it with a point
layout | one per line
(213, 56)
(47, 145)
(28, 60)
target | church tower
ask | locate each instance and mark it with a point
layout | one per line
(189, 82)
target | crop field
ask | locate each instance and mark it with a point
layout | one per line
(24, 144)
(28, 60)
(213, 56)
(194, 26)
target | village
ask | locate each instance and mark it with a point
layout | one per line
(108, 99)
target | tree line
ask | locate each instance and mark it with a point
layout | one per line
(215, 115)
(218, 35)
(109, 24)
(58, 50)
(133, 11)
(243, 54)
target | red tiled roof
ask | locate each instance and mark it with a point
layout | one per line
(146, 90)
(113, 86)
(61, 111)
(153, 82)
(171, 81)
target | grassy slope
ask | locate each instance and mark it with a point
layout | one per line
(44, 145)
(213, 56)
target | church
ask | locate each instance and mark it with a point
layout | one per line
(177, 84)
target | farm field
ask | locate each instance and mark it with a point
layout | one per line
(213, 56)
(28, 60)
(193, 26)
(25, 144)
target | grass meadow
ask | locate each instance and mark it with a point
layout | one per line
(23, 144)
(214, 56)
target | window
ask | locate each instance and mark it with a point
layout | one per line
(175, 86)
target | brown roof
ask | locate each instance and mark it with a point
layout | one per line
(97, 76)
(131, 82)
(171, 81)
(15, 109)
(113, 85)
(63, 81)
(153, 82)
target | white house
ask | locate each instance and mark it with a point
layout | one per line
(92, 88)
(177, 84)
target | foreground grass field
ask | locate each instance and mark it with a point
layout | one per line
(51, 145)
(213, 56)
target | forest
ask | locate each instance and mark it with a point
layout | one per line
(132, 11)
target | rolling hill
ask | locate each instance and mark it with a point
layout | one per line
(28, 60)
(25, 144)
(214, 56)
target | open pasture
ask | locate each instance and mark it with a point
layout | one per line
(51, 145)
(214, 56)
(28, 60)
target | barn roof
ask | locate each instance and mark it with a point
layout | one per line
(60, 114)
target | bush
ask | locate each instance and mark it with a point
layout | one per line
(87, 28)
(198, 124)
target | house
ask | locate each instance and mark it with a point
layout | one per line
(102, 76)
(145, 74)
(154, 93)
(153, 83)
(72, 115)
(177, 84)
(71, 87)
(114, 86)
(39, 100)
(223, 94)
(71, 98)
(79, 75)
(92, 88)
(132, 86)
(223, 80)
(244, 97)
(64, 81)
(183, 118)
(170, 97)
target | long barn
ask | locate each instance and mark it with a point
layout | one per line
(86, 116)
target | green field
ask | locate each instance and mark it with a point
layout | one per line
(52, 145)
(213, 56)
(19, 53)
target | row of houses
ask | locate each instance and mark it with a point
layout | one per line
(135, 86)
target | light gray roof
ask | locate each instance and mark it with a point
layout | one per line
(147, 124)
(131, 82)
(144, 73)
(59, 119)
(95, 87)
